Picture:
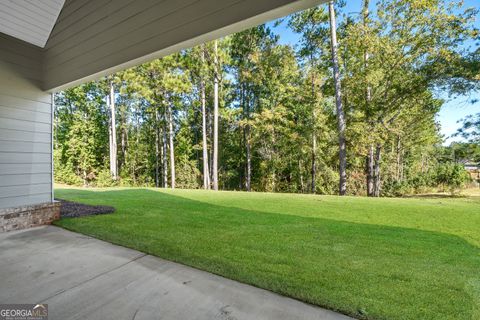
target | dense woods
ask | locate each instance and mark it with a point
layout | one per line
(350, 110)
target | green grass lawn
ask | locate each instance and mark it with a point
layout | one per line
(368, 258)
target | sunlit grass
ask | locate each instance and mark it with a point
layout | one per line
(370, 258)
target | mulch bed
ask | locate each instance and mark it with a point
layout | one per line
(70, 209)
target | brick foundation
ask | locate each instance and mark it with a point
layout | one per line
(29, 216)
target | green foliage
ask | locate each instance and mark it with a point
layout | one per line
(392, 188)
(449, 176)
(65, 174)
(452, 176)
(104, 179)
(471, 129)
(188, 175)
(277, 125)
(327, 180)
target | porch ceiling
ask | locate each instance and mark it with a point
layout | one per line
(94, 38)
(29, 20)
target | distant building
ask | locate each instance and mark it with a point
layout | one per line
(470, 166)
(474, 171)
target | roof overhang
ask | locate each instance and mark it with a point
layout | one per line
(30, 21)
(94, 38)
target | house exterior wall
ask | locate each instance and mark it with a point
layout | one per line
(95, 37)
(25, 127)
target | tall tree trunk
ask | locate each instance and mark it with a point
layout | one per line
(314, 136)
(215, 118)
(113, 155)
(366, 14)
(272, 154)
(246, 132)
(368, 89)
(314, 162)
(157, 148)
(137, 141)
(164, 157)
(368, 98)
(110, 147)
(241, 168)
(399, 159)
(248, 182)
(210, 135)
(172, 149)
(124, 142)
(377, 178)
(302, 185)
(339, 105)
(370, 173)
(206, 173)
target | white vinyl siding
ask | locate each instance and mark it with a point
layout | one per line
(25, 127)
(30, 21)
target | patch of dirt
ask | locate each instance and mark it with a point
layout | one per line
(70, 209)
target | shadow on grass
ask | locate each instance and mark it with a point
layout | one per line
(367, 271)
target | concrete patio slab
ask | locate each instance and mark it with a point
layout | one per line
(80, 277)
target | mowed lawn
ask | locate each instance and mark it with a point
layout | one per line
(368, 258)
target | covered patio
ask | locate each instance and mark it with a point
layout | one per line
(84, 278)
(51, 45)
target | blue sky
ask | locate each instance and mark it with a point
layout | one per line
(454, 108)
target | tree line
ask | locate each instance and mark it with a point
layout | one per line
(350, 110)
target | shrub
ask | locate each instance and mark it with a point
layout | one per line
(187, 174)
(104, 179)
(393, 188)
(65, 174)
(327, 181)
(451, 176)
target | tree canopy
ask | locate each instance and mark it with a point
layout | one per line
(261, 115)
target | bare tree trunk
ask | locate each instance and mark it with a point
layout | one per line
(113, 154)
(370, 174)
(399, 159)
(110, 141)
(163, 159)
(246, 133)
(366, 14)
(172, 149)
(241, 169)
(339, 105)
(210, 135)
(206, 173)
(124, 142)
(137, 141)
(248, 182)
(314, 137)
(314, 162)
(215, 118)
(377, 178)
(368, 98)
(302, 185)
(164, 148)
(157, 149)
